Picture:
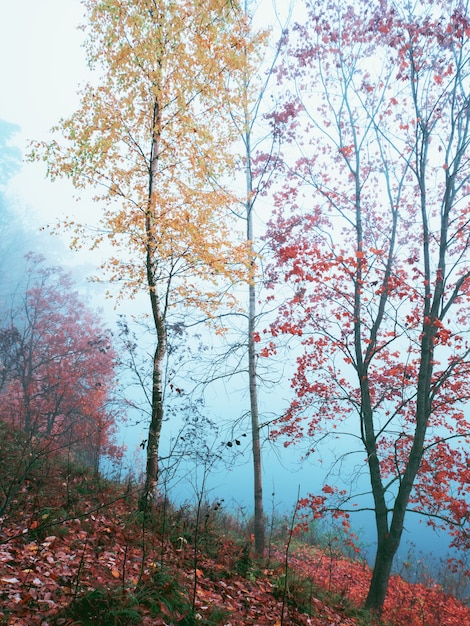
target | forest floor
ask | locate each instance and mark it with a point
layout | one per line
(75, 550)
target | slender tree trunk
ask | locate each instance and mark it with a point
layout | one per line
(154, 431)
(159, 320)
(26, 382)
(156, 421)
(259, 531)
(255, 432)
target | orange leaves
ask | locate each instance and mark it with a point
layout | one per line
(154, 135)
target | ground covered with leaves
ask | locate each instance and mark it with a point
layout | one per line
(75, 550)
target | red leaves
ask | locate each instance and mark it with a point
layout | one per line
(379, 260)
(407, 604)
(40, 575)
(347, 151)
(64, 367)
(269, 350)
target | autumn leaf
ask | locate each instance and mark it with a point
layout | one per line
(10, 580)
(64, 367)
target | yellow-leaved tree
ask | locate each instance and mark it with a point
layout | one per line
(152, 138)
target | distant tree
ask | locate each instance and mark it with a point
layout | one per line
(152, 138)
(372, 235)
(9, 338)
(57, 367)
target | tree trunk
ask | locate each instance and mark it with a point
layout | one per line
(159, 319)
(255, 427)
(380, 576)
(389, 538)
(151, 473)
(156, 421)
(255, 432)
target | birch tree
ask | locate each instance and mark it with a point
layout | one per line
(151, 137)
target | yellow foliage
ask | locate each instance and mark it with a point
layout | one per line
(154, 139)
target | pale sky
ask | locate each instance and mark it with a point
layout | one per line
(42, 65)
(42, 60)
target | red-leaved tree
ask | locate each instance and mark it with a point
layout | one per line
(58, 367)
(372, 237)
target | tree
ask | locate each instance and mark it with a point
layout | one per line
(376, 254)
(258, 164)
(59, 367)
(152, 139)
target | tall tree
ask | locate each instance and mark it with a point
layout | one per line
(153, 139)
(258, 158)
(376, 251)
(57, 366)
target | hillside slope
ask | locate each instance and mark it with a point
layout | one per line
(73, 550)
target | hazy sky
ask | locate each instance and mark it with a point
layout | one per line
(42, 63)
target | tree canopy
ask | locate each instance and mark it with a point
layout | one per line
(57, 376)
(152, 138)
(372, 235)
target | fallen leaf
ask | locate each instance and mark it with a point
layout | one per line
(12, 580)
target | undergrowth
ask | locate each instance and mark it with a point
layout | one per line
(75, 550)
